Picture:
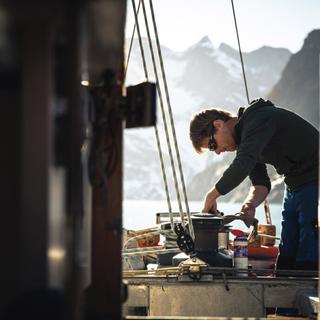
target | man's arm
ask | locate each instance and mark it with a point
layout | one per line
(256, 196)
(259, 191)
(210, 201)
(253, 140)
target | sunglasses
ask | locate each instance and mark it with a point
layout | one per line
(212, 144)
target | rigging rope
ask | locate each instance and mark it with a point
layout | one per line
(163, 116)
(164, 176)
(131, 42)
(139, 38)
(171, 120)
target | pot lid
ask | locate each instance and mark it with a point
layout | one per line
(206, 218)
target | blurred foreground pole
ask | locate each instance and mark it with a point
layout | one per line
(60, 238)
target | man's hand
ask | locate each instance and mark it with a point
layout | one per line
(249, 209)
(210, 202)
(248, 221)
(256, 196)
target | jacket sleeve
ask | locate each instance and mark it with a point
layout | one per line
(256, 134)
(259, 176)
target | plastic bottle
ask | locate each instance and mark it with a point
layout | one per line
(241, 256)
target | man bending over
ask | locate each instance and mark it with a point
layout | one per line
(263, 133)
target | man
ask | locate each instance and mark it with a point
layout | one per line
(260, 134)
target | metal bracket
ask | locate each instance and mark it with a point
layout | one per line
(184, 240)
(140, 105)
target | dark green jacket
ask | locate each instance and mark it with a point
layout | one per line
(268, 134)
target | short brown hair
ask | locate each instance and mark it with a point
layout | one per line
(200, 125)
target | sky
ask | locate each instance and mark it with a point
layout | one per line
(276, 23)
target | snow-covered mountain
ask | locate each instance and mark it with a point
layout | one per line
(199, 77)
(298, 88)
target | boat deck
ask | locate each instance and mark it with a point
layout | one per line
(214, 296)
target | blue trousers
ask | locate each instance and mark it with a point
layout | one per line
(299, 245)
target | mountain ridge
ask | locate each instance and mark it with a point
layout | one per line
(298, 88)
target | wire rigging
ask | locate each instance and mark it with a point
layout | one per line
(131, 42)
(139, 38)
(240, 52)
(266, 203)
(171, 119)
(164, 175)
(163, 114)
(163, 118)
